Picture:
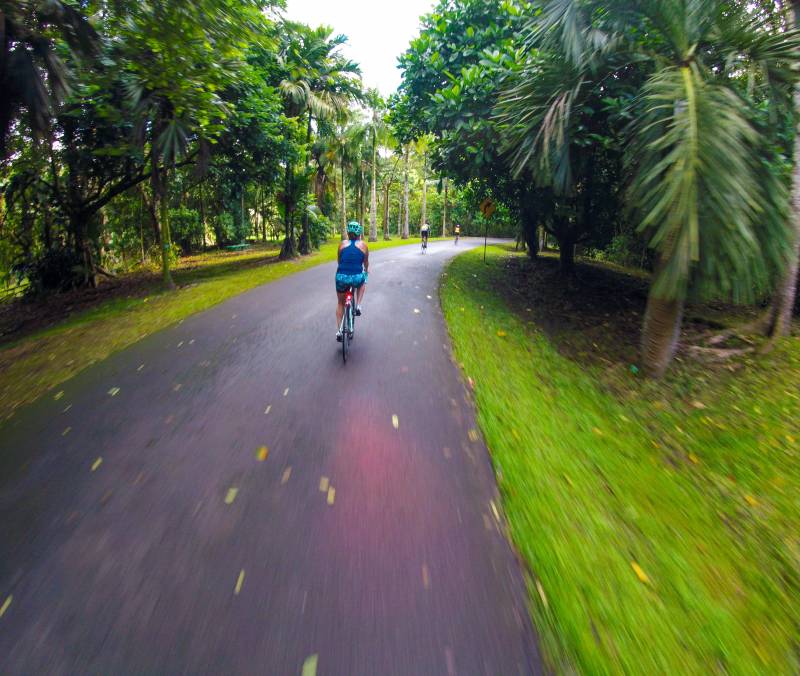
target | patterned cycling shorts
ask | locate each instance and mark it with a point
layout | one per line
(344, 282)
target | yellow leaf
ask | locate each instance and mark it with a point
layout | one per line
(97, 464)
(331, 495)
(59, 395)
(263, 452)
(395, 422)
(323, 484)
(640, 573)
(310, 666)
(231, 495)
(5, 605)
(751, 500)
(473, 435)
(286, 474)
(239, 582)
(694, 458)
(502, 334)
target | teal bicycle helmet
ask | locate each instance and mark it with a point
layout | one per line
(355, 228)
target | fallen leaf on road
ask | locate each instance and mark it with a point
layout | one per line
(416, 311)
(97, 464)
(286, 392)
(177, 387)
(6, 604)
(331, 495)
(430, 297)
(426, 577)
(473, 435)
(231, 495)
(395, 422)
(639, 572)
(180, 344)
(267, 409)
(59, 395)
(286, 474)
(114, 391)
(310, 666)
(239, 582)
(494, 511)
(324, 482)
(262, 454)
(67, 408)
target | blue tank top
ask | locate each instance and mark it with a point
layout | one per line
(351, 260)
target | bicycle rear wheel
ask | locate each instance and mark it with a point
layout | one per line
(345, 338)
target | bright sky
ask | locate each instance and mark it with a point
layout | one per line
(378, 32)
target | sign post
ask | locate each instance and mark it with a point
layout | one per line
(487, 207)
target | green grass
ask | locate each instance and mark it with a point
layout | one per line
(693, 479)
(41, 361)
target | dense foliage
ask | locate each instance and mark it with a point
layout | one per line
(657, 132)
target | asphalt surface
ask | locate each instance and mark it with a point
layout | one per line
(140, 531)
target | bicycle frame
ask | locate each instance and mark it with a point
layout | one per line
(348, 321)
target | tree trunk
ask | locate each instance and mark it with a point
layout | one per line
(778, 321)
(444, 210)
(288, 249)
(566, 255)
(305, 235)
(400, 213)
(344, 205)
(662, 327)
(386, 212)
(423, 217)
(373, 207)
(529, 217)
(405, 196)
(159, 185)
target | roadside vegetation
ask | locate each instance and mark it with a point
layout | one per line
(658, 520)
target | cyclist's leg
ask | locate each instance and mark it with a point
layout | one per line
(360, 293)
(340, 296)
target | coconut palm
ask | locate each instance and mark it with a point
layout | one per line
(702, 184)
(320, 84)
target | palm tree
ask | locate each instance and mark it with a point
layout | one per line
(320, 85)
(32, 76)
(701, 184)
(344, 152)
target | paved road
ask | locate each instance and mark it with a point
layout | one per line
(140, 532)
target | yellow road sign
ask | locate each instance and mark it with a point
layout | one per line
(487, 207)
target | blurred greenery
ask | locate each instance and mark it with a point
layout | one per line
(693, 479)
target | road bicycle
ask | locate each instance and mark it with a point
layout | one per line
(424, 244)
(348, 325)
(456, 240)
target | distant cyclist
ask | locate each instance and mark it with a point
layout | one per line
(457, 232)
(353, 258)
(424, 230)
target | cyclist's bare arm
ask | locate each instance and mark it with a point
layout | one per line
(363, 246)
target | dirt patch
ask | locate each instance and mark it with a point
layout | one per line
(596, 317)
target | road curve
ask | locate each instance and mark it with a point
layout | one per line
(142, 529)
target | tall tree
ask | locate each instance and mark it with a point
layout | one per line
(702, 184)
(320, 84)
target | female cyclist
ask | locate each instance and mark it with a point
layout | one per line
(353, 260)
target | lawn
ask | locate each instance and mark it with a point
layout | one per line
(39, 361)
(659, 521)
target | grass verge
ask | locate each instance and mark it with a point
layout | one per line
(660, 521)
(38, 362)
